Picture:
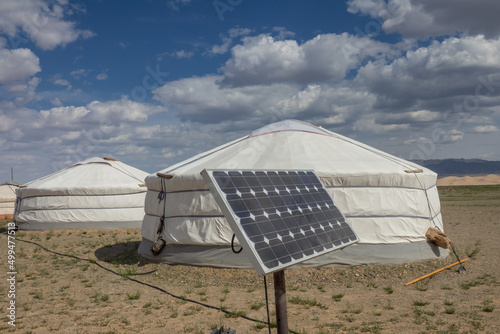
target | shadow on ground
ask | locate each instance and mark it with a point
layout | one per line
(124, 253)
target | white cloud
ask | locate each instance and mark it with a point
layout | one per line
(448, 71)
(40, 21)
(204, 100)
(95, 114)
(416, 141)
(450, 136)
(439, 136)
(6, 122)
(102, 76)
(426, 18)
(123, 110)
(130, 149)
(228, 40)
(337, 119)
(371, 126)
(62, 82)
(56, 102)
(410, 117)
(263, 59)
(62, 117)
(71, 135)
(183, 54)
(78, 74)
(17, 70)
(485, 129)
(17, 65)
(283, 33)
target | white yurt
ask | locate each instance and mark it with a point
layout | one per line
(7, 199)
(97, 193)
(389, 202)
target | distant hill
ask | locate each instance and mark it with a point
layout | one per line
(461, 167)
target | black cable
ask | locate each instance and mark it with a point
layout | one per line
(267, 305)
(232, 245)
(150, 285)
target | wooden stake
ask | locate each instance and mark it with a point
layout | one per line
(435, 272)
(280, 297)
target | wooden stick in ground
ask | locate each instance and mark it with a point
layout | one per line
(435, 272)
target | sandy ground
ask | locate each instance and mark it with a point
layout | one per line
(90, 282)
(469, 180)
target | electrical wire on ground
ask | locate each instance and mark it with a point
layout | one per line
(147, 284)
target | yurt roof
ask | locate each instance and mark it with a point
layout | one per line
(293, 144)
(91, 176)
(10, 183)
(7, 191)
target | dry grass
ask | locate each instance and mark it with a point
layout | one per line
(62, 294)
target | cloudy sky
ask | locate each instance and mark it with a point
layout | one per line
(152, 83)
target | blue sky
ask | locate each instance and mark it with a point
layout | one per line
(152, 83)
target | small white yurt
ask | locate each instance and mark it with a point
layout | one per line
(389, 202)
(97, 193)
(7, 199)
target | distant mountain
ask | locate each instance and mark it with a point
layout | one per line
(461, 167)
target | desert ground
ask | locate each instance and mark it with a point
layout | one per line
(490, 179)
(94, 282)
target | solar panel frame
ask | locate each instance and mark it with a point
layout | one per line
(269, 210)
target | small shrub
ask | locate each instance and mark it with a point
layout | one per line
(235, 314)
(449, 310)
(307, 302)
(472, 253)
(468, 285)
(257, 305)
(192, 310)
(389, 290)
(351, 309)
(135, 296)
(420, 303)
(338, 297)
(487, 306)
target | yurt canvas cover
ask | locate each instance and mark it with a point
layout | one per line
(389, 202)
(7, 199)
(98, 193)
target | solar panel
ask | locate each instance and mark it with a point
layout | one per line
(280, 217)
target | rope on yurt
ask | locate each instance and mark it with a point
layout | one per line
(147, 284)
(126, 172)
(431, 210)
(13, 188)
(205, 154)
(158, 245)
